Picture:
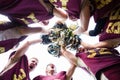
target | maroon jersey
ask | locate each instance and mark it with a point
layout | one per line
(18, 72)
(7, 44)
(111, 29)
(61, 76)
(4, 3)
(27, 10)
(14, 22)
(102, 63)
(10, 43)
(71, 6)
(104, 6)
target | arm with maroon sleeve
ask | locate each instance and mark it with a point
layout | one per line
(60, 13)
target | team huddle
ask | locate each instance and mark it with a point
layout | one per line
(101, 60)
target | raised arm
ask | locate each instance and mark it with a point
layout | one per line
(69, 56)
(22, 49)
(84, 18)
(73, 62)
(70, 71)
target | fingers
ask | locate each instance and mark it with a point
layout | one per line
(81, 49)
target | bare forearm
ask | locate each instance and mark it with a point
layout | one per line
(23, 48)
(30, 30)
(111, 43)
(70, 71)
(85, 17)
(71, 57)
(84, 20)
(35, 41)
(60, 13)
(72, 60)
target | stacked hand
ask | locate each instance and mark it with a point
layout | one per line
(61, 36)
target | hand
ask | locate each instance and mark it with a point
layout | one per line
(81, 49)
(79, 30)
(44, 22)
(62, 50)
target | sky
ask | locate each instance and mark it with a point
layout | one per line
(40, 51)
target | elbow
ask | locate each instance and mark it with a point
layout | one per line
(85, 29)
(60, 13)
(74, 61)
(28, 43)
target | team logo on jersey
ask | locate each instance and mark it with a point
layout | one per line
(2, 49)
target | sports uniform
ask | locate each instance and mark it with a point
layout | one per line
(106, 61)
(9, 35)
(19, 71)
(61, 75)
(71, 6)
(103, 8)
(28, 11)
(112, 26)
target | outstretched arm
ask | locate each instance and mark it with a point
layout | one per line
(19, 53)
(31, 30)
(102, 44)
(69, 56)
(70, 71)
(58, 12)
(84, 18)
(22, 49)
(73, 61)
